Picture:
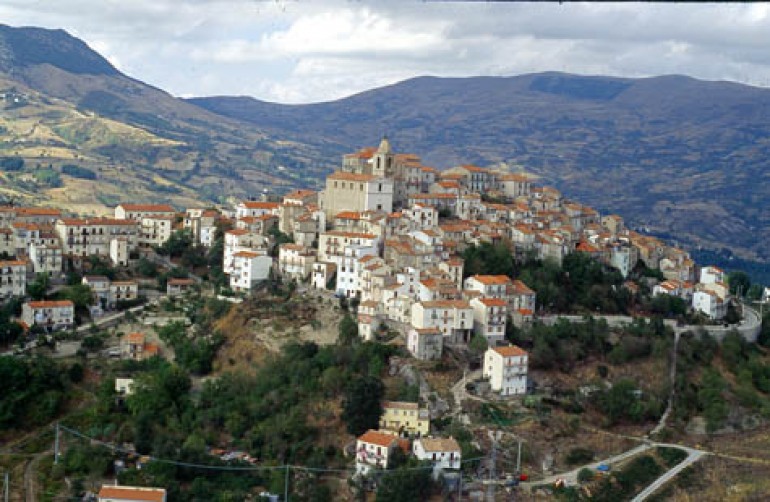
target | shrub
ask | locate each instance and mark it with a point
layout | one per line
(579, 456)
(585, 475)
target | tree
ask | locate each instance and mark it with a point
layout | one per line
(585, 475)
(478, 344)
(405, 484)
(37, 289)
(361, 407)
(739, 282)
(177, 243)
(348, 330)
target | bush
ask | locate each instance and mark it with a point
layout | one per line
(585, 475)
(78, 172)
(579, 456)
(671, 456)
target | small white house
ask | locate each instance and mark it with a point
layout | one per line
(425, 344)
(373, 450)
(443, 453)
(506, 368)
(52, 315)
(124, 386)
(709, 303)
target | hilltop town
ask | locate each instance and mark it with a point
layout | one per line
(438, 268)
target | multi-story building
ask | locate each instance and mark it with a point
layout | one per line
(489, 318)
(13, 278)
(405, 418)
(155, 230)
(46, 258)
(52, 315)
(491, 286)
(454, 318)
(137, 212)
(89, 237)
(295, 261)
(256, 208)
(249, 268)
(374, 450)
(506, 368)
(356, 192)
(425, 344)
(123, 291)
(710, 303)
(202, 225)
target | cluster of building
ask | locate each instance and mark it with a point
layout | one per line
(399, 422)
(710, 295)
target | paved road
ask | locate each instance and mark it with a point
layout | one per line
(672, 377)
(570, 477)
(693, 456)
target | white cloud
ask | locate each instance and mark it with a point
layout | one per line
(300, 51)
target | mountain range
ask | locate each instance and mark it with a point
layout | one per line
(683, 158)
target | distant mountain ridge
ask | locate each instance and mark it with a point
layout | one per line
(681, 157)
(63, 103)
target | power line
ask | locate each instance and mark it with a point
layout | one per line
(238, 468)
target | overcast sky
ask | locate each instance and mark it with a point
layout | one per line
(316, 50)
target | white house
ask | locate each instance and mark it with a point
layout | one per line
(373, 450)
(506, 368)
(443, 453)
(711, 274)
(295, 261)
(492, 286)
(248, 269)
(138, 211)
(155, 230)
(454, 318)
(489, 318)
(425, 344)
(709, 303)
(51, 314)
(13, 278)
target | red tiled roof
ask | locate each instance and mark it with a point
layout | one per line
(378, 438)
(133, 493)
(48, 304)
(510, 351)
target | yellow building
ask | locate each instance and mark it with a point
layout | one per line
(399, 416)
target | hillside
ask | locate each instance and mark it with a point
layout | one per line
(62, 103)
(685, 158)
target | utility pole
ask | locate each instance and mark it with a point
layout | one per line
(56, 446)
(6, 482)
(518, 458)
(286, 485)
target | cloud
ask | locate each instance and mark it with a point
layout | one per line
(301, 51)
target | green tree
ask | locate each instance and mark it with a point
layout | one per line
(405, 484)
(361, 408)
(177, 243)
(739, 282)
(348, 330)
(478, 344)
(37, 289)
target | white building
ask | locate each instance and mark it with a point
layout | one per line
(295, 261)
(454, 318)
(155, 230)
(138, 211)
(255, 208)
(711, 274)
(123, 291)
(249, 268)
(506, 368)
(87, 237)
(374, 450)
(46, 258)
(491, 286)
(489, 318)
(709, 303)
(323, 272)
(443, 453)
(52, 315)
(13, 278)
(425, 344)
(356, 192)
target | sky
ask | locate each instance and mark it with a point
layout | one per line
(305, 51)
